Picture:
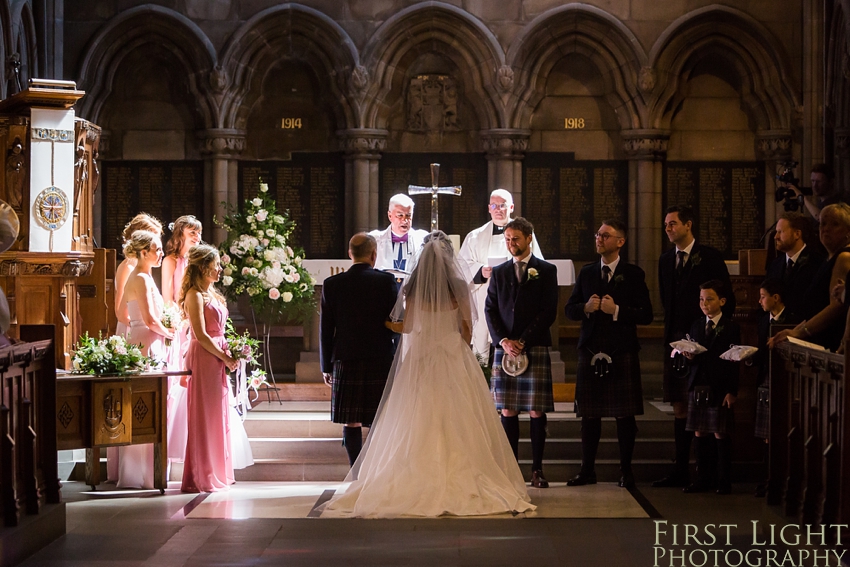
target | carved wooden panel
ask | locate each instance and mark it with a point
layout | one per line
(112, 413)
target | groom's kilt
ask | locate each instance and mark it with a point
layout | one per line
(616, 394)
(357, 389)
(531, 390)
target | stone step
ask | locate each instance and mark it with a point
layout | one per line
(293, 470)
(570, 449)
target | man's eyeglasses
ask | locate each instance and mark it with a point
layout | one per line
(400, 216)
(605, 236)
(498, 206)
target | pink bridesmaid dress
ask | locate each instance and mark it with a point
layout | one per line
(135, 462)
(208, 466)
(177, 410)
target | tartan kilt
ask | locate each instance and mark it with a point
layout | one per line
(709, 419)
(531, 390)
(616, 394)
(762, 424)
(675, 382)
(357, 389)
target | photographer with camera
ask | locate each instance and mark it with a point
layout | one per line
(822, 192)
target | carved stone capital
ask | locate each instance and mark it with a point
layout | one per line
(362, 143)
(222, 141)
(646, 144)
(774, 145)
(842, 142)
(359, 79)
(647, 79)
(505, 143)
(218, 79)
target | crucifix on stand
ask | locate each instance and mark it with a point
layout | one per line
(434, 190)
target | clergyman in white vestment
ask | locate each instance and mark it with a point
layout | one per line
(479, 248)
(399, 242)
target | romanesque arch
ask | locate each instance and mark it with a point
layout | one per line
(189, 48)
(447, 32)
(753, 57)
(277, 33)
(585, 30)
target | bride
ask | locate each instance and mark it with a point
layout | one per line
(436, 446)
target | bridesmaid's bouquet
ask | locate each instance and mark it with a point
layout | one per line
(171, 318)
(245, 349)
(113, 355)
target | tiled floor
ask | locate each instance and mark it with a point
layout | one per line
(138, 528)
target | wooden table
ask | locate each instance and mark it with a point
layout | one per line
(110, 411)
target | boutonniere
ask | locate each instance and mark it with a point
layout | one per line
(695, 259)
(532, 274)
(718, 329)
(618, 279)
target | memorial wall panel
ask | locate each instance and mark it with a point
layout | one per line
(311, 186)
(567, 200)
(164, 189)
(727, 198)
(458, 214)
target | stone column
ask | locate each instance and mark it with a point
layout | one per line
(774, 147)
(505, 149)
(362, 147)
(842, 160)
(646, 151)
(221, 147)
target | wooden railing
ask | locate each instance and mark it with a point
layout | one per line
(810, 434)
(28, 469)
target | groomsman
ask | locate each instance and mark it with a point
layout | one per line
(399, 242)
(610, 299)
(797, 263)
(681, 270)
(521, 305)
(479, 246)
(356, 348)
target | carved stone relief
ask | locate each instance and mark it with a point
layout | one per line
(774, 146)
(505, 78)
(432, 104)
(359, 79)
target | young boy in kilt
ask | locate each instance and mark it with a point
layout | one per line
(712, 390)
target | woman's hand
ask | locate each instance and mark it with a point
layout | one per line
(394, 326)
(230, 363)
(729, 400)
(779, 337)
(837, 292)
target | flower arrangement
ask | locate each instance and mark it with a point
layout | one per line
(171, 318)
(245, 349)
(113, 355)
(258, 259)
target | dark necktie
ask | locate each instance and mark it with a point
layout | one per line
(709, 328)
(680, 261)
(788, 267)
(606, 274)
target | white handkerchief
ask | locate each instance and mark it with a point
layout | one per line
(688, 346)
(738, 353)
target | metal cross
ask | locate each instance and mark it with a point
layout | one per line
(434, 190)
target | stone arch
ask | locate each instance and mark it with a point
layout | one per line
(192, 51)
(447, 31)
(25, 40)
(753, 56)
(288, 30)
(580, 29)
(6, 44)
(838, 69)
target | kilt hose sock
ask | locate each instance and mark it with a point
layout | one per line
(538, 441)
(682, 439)
(352, 440)
(511, 427)
(626, 435)
(591, 432)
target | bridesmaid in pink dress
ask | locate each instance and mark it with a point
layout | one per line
(143, 303)
(185, 232)
(208, 466)
(141, 221)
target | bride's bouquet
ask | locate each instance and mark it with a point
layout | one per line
(113, 355)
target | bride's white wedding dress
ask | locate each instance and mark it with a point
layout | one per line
(437, 446)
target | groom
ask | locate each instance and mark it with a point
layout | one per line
(356, 348)
(521, 305)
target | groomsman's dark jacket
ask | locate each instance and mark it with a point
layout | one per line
(522, 311)
(708, 369)
(680, 295)
(627, 287)
(355, 305)
(762, 357)
(797, 282)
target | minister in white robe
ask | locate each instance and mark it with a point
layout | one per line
(478, 247)
(399, 242)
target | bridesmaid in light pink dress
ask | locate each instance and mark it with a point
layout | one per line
(143, 303)
(186, 232)
(208, 466)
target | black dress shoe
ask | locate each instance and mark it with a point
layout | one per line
(581, 479)
(538, 480)
(677, 480)
(696, 487)
(627, 481)
(761, 490)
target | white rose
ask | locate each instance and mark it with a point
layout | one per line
(287, 297)
(228, 272)
(246, 270)
(269, 232)
(257, 202)
(264, 187)
(268, 255)
(261, 215)
(227, 280)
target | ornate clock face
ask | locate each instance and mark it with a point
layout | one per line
(51, 208)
